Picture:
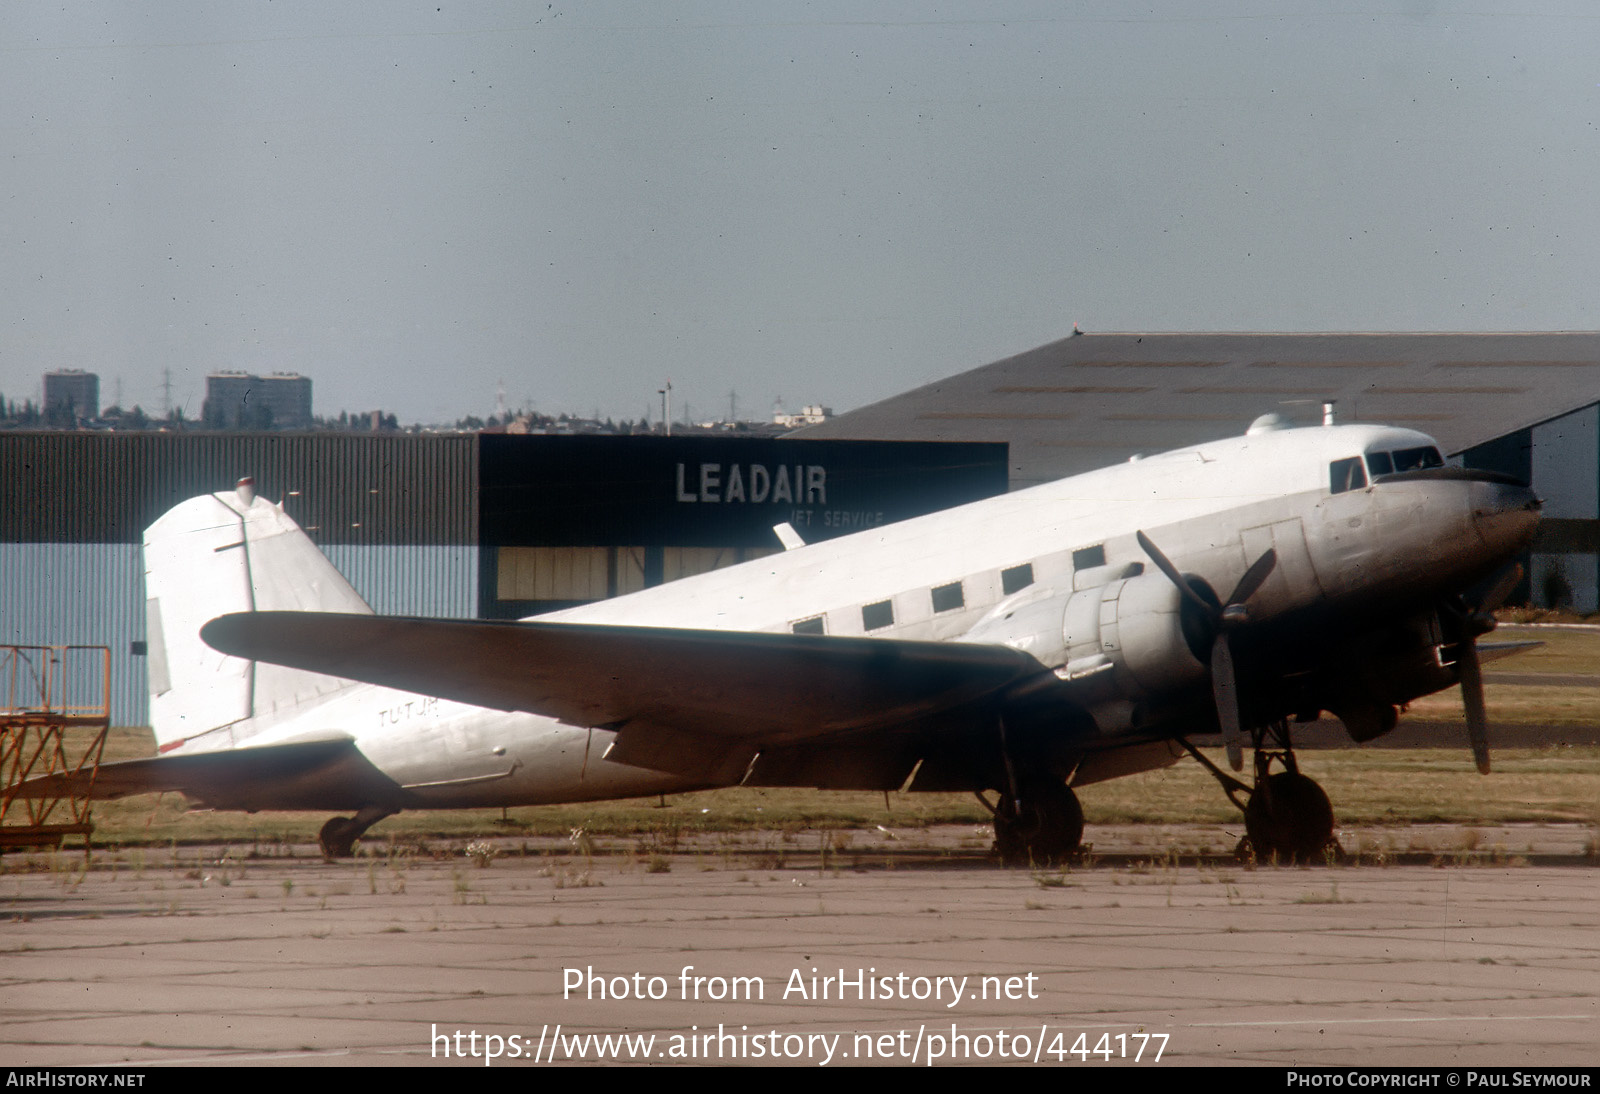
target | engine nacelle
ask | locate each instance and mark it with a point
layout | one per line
(1153, 634)
(1132, 638)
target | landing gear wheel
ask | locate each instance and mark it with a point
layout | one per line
(1044, 827)
(338, 837)
(1289, 818)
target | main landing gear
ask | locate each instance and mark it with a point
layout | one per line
(1287, 816)
(338, 837)
(1039, 825)
(1038, 821)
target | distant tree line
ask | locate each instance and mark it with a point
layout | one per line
(26, 414)
(257, 417)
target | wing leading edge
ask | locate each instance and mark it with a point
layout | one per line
(711, 698)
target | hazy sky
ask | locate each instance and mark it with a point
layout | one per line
(828, 202)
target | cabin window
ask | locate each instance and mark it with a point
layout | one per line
(947, 598)
(814, 625)
(1346, 475)
(1087, 558)
(875, 617)
(1018, 577)
(1379, 463)
(1417, 459)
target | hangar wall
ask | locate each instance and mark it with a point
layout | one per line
(1520, 402)
(395, 513)
(1561, 459)
(583, 518)
(442, 526)
(1566, 474)
(502, 526)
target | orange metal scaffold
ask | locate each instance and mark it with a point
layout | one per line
(55, 709)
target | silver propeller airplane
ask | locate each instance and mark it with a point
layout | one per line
(1018, 646)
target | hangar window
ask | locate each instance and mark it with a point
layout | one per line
(1346, 475)
(1087, 558)
(1417, 459)
(814, 625)
(947, 598)
(875, 617)
(1018, 577)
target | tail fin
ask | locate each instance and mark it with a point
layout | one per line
(220, 553)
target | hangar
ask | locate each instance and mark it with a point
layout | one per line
(499, 526)
(1526, 404)
(462, 526)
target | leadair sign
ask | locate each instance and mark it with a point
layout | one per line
(804, 484)
(801, 488)
(716, 491)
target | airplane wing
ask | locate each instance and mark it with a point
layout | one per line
(695, 701)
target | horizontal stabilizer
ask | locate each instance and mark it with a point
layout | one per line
(731, 684)
(1493, 651)
(301, 775)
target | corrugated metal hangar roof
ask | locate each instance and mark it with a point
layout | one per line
(1095, 399)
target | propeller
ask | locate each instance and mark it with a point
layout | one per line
(1475, 622)
(1231, 614)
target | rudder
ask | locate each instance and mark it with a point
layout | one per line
(214, 554)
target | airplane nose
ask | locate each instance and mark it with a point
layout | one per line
(1506, 514)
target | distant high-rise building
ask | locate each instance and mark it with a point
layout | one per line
(288, 396)
(227, 398)
(239, 400)
(72, 391)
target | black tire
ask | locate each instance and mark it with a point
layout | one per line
(338, 837)
(1289, 818)
(1048, 832)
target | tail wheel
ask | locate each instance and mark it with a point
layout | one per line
(1043, 826)
(1289, 818)
(338, 837)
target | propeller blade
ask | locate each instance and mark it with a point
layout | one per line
(1225, 691)
(1471, 674)
(1164, 564)
(1259, 571)
(1501, 589)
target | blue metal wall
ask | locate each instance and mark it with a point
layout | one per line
(93, 595)
(79, 594)
(397, 514)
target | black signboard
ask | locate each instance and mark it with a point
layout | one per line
(707, 491)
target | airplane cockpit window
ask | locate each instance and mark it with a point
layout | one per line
(1417, 459)
(1379, 463)
(814, 625)
(1346, 475)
